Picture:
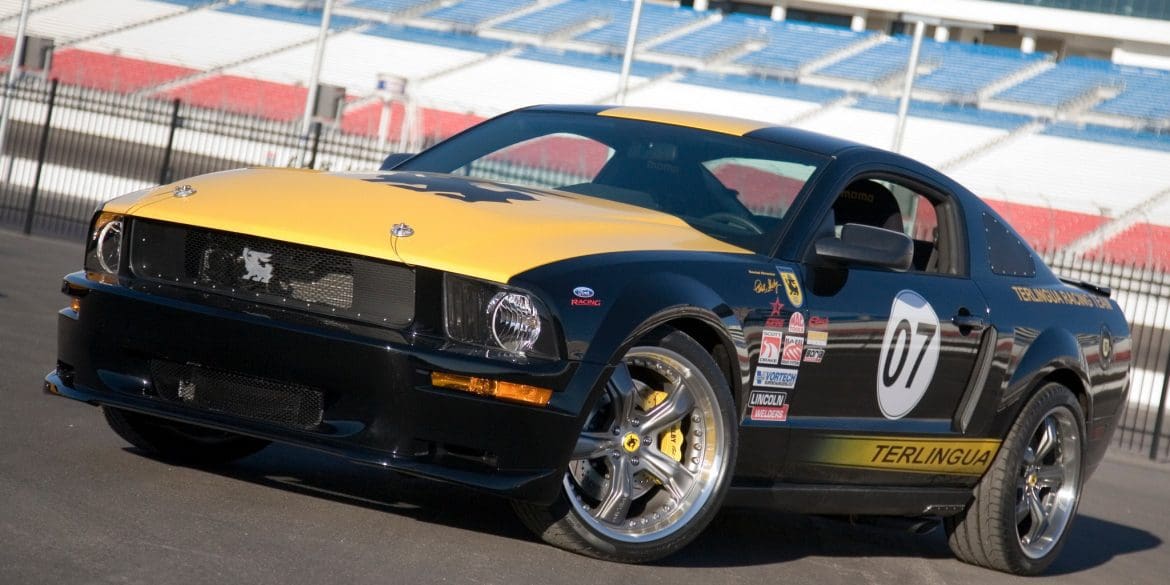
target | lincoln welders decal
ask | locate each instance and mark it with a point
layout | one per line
(454, 188)
(952, 456)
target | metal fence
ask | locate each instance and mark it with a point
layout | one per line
(69, 149)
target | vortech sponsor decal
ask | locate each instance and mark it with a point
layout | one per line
(775, 377)
(768, 405)
(792, 287)
(770, 347)
(1030, 294)
(950, 456)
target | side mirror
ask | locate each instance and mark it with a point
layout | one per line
(868, 245)
(395, 159)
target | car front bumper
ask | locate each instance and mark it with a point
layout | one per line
(378, 406)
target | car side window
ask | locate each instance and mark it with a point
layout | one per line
(764, 187)
(901, 205)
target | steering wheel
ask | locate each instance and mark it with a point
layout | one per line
(732, 219)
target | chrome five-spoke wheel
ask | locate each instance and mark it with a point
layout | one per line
(1024, 505)
(652, 461)
(1048, 483)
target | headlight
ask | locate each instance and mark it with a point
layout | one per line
(103, 254)
(497, 318)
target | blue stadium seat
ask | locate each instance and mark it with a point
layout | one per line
(308, 17)
(1146, 94)
(388, 6)
(475, 12)
(610, 63)
(1069, 80)
(705, 43)
(957, 68)
(453, 40)
(555, 18)
(793, 45)
(764, 86)
(655, 21)
(946, 112)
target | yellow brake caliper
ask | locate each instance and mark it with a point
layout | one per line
(670, 441)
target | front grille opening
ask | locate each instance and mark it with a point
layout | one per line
(274, 272)
(272, 401)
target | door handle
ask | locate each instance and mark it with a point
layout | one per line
(967, 322)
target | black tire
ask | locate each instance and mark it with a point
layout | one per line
(1013, 524)
(671, 512)
(180, 442)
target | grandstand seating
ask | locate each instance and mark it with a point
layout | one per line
(7, 45)
(1141, 244)
(450, 40)
(535, 76)
(935, 133)
(734, 30)
(1069, 80)
(759, 98)
(954, 68)
(1046, 228)
(10, 9)
(387, 6)
(437, 124)
(655, 21)
(1145, 94)
(792, 45)
(113, 72)
(241, 95)
(1068, 169)
(553, 19)
(225, 37)
(79, 19)
(381, 51)
(472, 13)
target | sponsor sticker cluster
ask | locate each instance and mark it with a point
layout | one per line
(768, 405)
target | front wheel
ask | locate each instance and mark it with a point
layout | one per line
(1025, 504)
(653, 461)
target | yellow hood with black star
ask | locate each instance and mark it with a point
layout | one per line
(465, 226)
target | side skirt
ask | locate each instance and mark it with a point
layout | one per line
(838, 499)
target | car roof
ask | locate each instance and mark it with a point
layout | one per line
(802, 139)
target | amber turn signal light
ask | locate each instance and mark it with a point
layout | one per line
(75, 304)
(493, 388)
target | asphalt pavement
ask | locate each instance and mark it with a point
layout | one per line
(80, 506)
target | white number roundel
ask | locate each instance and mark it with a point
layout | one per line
(909, 354)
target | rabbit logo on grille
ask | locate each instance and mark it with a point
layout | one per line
(258, 265)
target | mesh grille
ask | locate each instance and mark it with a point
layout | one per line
(274, 272)
(244, 396)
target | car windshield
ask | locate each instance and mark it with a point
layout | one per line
(732, 188)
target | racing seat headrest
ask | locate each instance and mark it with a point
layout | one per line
(869, 203)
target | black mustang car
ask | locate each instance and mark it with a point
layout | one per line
(621, 319)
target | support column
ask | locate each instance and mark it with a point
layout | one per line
(779, 12)
(700, 5)
(858, 23)
(1028, 43)
(942, 34)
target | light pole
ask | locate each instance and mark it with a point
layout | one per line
(314, 79)
(908, 86)
(13, 75)
(628, 56)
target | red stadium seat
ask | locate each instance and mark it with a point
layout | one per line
(1045, 228)
(113, 72)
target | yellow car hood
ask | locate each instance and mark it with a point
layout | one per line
(467, 226)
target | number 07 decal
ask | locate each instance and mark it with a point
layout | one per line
(909, 354)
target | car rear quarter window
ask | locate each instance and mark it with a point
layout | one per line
(1006, 254)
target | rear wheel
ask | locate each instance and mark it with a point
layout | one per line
(178, 441)
(1025, 504)
(653, 461)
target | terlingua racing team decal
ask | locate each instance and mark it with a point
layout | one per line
(950, 456)
(908, 356)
